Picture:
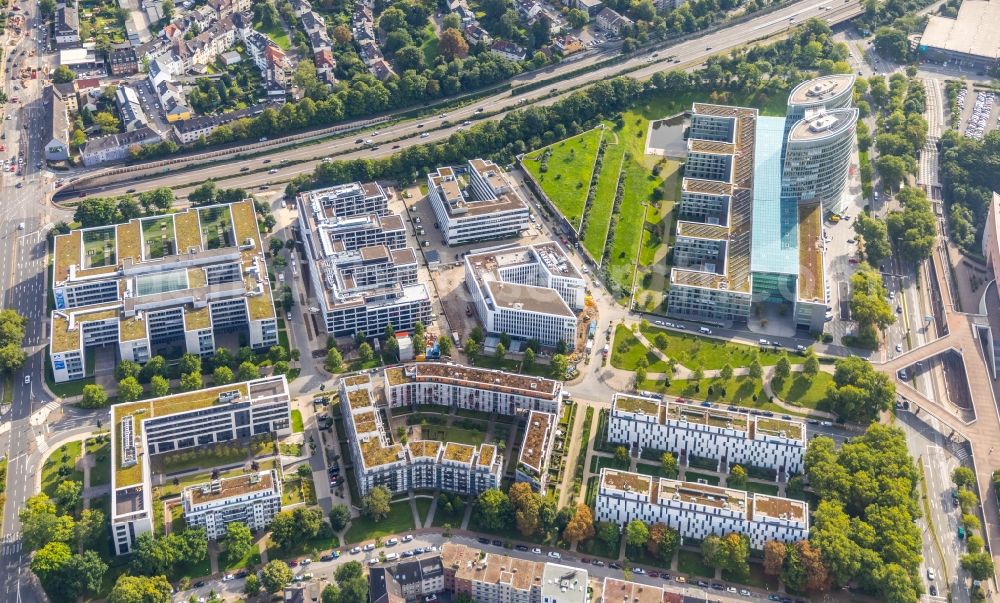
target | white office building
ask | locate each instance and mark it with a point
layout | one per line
(528, 292)
(344, 200)
(323, 229)
(732, 438)
(418, 464)
(253, 499)
(476, 203)
(234, 412)
(466, 387)
(699, 510)
(177, 279)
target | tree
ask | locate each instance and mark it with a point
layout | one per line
(726, 373)
(609, 533)
(94, 396)
(501, 351)
(875, 236)
(444, 346)
(782, 369)
(127, 368)
(577, 18)
(82, 576)
(50, 560)
(47, 7)
(581, 526)
(191, 382)
(248, 371)
(892, 169)
(713, 551)
(869, 304)
(340, 515)
(106, 122)
(811, 366)
(756, 370)
(471, 348)
(334, 361)
(527, 506)
(41, 524)
(375, 504)
(737, 478)
(979, 565)
(157, 365)
(915, 228)
(365, 352)
(12, 357)
(159, 386)
(804, 568)
(190, 363)
(129, 389)
(342, 35)
(275, 576)
(238, 541)
(68, 494)
(774, 557)
(89, 528)
(452, 45)
(63, 75)
(669, 466)
(529, 359)
(494, 509)
(859, 392)
(251, 587)
(892, 43)
(963, 477)
(621, 454)
(222, 375)
(140, 589)
(558, 367)
(636, 533)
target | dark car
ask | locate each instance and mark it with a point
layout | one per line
(933, 590)
(497, 543)
(242, 574)
(653, 574)
(521, 548)
(267, 161)
(718, 586)
(199, 584)
(483, 540)
(702, 584)
(614, 565)
(585, 560)
(773, 598)
(666, 576)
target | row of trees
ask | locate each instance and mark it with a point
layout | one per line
(12, 355)
(531, 514)
(869, 306)
(976, 560)
(969, 176)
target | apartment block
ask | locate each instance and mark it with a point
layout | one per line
(252, 499)
(688, 429)
(408, 580)
(476, 202)
(176, 279)
(466, 387)
(183, 421)
(536, 448)
(344, 200)
(492, 578)
(528, 292)
(623, 591)
(418, 464)
(699, 510)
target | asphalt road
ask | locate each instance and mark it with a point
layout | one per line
(389, 140)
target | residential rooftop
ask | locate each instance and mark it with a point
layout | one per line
(636, 404)
(537, 436)
(229, 487)
(811, 281)
(477, 378)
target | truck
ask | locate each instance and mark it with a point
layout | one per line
(454, 337)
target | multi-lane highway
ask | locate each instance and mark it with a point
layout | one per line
(688, 54)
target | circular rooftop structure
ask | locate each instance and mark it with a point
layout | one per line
(827, 92)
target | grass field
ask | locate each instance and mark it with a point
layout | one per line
(423, 508)
(297, 426)
(296, 490)
(454, 434)
(651, 469)
(60, 466)
(600, 462)
(627, 350)
(400, 519)
(599, 218)
(690, 563)
(100, 473)
(694, 476)
(759, 488)
(738, 390)
(570, 166)
(695, 351)
(276, 33)
(802, 391)
(756, 578)
(430, 45)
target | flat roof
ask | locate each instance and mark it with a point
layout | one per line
(536, 439)
(462, 200)
(469, 376)
(775, 236)
(636, 404)
(623, 591)
(530, 299)
(974, 31)
(230, 487)
(811, 282)
(818, 91)
(625, 481)
(818, 124)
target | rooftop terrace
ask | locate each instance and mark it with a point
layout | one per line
(811, 279)
(457, 374)
(536, 440)
(229, 487)
(636, 404)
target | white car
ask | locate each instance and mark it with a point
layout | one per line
(408, 538)
(536, 551)
(27, 379)
(555, 555)
(227, 578)
(392, 542)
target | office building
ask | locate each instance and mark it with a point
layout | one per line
(754, 192)
(417, 464)
(344, 200)
(529, 292)
(969, 39)
(502, 579)
(253, 500)
(536, 448)
(699, 510)
(686, 430)
(471, 388)
(365, 290)
(326, 232)
(234, 412)
(476, 202)
(180, 279)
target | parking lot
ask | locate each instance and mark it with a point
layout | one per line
(979, 112)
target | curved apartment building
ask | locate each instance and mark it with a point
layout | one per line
(818, 157)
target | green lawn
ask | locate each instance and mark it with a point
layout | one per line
(695, 351)
(690, 563)
(639, 187)
(768, 489)
(60, 466)
(430, 45)
(595, 547)
(756, 578)
(296, 490)
(297, 426)
(738, 391)
(803, 391)
(694, 476)
(627, 350)
(651, 469)
(100, 473)
(454, 434)
(452, 519)
(201, 458)
(569, 168)
(423, 508)
(400, 519)
(599, 216)
(600, 462)
(251, 559)
(276, 33)
(313, 546)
